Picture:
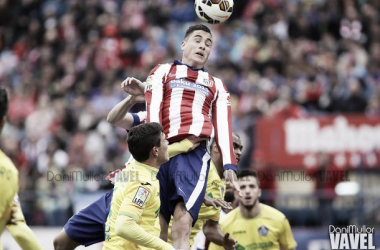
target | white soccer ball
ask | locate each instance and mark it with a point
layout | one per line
(214, 11)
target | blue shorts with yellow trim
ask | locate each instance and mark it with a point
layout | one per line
(184, 178)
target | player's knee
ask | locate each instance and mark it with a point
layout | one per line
(182, 224)
(63, 242)
(57, 243)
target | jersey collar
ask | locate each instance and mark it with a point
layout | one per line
(178, 62)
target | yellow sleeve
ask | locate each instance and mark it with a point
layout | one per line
(127, 228)
(22, 234)
(286, 237)
(179, 147)
(134, 201)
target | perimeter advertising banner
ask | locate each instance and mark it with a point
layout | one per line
(352, 141)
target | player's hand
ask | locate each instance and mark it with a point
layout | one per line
(133, 86)
(231, 179)
(196, 141)
(228, 242)
(208, 201)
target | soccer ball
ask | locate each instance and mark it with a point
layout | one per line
(214, 11)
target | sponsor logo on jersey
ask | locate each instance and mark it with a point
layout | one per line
(239, 232)
(181, 83)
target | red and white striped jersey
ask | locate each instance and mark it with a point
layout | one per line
(187, 101)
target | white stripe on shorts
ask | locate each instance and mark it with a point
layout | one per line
(200, 184)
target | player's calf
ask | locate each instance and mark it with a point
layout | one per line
(181, 229)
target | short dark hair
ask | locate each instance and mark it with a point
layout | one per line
(142, 138)
(247, 172)
(195, 27)
(3, 103)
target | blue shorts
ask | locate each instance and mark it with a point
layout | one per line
(87, 226)
(184, 178)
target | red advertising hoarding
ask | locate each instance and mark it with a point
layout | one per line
(352, 141)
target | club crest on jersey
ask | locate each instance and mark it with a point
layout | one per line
(208, 82)
(140, 196)
(263, 231)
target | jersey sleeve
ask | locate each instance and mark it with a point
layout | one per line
(135, 200)
(128, 229)
(154, 92)
(286, 239)
(22, 234)
(221, 116)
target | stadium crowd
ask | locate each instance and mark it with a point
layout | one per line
(63, 61)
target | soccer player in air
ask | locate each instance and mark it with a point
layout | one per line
(133, 218)
(88, 225)
(254, 225)
(11, 216)
(187, 100)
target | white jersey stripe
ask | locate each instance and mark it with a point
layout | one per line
(198, 118)
(175, 112)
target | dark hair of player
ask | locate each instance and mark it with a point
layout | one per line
(247, 172)
(3, 103)
(142, 138)
(195, 27)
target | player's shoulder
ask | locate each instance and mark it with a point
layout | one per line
(230, 217)
(271, 213)
(7, 163)
(161, 68)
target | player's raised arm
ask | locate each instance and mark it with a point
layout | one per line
(221, 117)
(119, 115)
(154, 92)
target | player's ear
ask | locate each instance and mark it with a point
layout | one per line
(183, 44)
(155, 151)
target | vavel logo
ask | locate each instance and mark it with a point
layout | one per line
(351, 237)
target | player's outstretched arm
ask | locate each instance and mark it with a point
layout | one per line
(212, 231)
(20, 231)
(127, 228)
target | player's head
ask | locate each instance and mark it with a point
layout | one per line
(148, 140)
(238, 146)
(196, 46)
(249, 187)
(3, 107)
(216, 157)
